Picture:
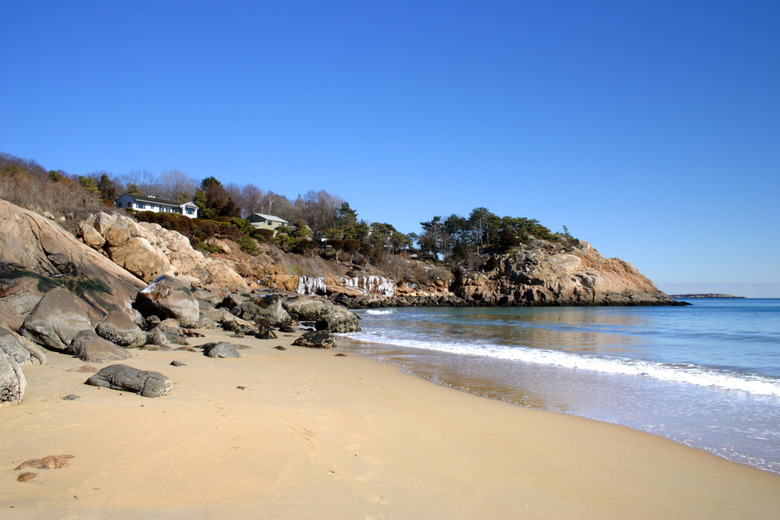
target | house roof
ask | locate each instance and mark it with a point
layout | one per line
(155, 200)
(263, 216)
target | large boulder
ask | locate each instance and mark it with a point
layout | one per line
(122, 377)
(141, 258)
(117, 327)
(20, 348)
(326, 315)
(9, 317)
(266, 310)
(168, 297)
(56, 320)
(316, 339)
(12, 381)
(221, 349)
(88, 346)
(338, 319)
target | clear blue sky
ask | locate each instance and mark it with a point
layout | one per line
(650, 129)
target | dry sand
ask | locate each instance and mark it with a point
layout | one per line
(313, 435)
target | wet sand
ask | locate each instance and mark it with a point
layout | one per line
(313, 435)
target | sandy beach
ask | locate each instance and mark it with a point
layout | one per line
(302, 433)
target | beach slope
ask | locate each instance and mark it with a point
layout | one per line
(302, 433)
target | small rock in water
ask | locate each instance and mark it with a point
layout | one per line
(341, 354)
(71, 397)
(279, 347)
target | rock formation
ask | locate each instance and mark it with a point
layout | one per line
(546, 273)
(37, 255)
(148, 251)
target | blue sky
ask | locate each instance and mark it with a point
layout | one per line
(649, 129)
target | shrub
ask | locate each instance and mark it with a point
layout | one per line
(247, 245)
(263, 235)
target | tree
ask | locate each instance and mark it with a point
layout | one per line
(107, 188)
(213, 201)
(88, 183)
(143, 180)
(485, 226)
(176, 186)
(318, 209)
(251, 200)
(434, 238)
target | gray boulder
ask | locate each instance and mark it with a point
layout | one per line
(264, 310)
(56, 320)
(122, 377)
(88, 346)
(316, 339)
(12, 381)
(168, 297)
(326, 315)
(338, 320)
(9, 317)
(20, 348)
(222, 349)
(117, 327)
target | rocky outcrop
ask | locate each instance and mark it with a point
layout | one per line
(148, 251)
(129, 379)
(37, 255)
(545, 273)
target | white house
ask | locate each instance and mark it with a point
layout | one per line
(263, 221)
(150, 203)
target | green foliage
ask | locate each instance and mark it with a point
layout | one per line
(247, 245)
(263, 235)
(88, 183)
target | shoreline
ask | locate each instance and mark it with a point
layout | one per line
(316, 435)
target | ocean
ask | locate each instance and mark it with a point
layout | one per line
(705, 375)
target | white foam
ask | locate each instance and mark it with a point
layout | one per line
(380, 312)
(677, 373)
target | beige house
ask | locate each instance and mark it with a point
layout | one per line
(262, 221)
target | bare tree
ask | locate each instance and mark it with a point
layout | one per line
(319, 210)
(176, 185)
(251, 200)
(278, 205)
(143, 180)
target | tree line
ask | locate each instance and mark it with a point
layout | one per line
(319, 222)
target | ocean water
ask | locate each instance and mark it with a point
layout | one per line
(705, 375)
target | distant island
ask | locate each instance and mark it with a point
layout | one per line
(702, 295)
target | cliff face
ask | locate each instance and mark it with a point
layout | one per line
(545, 273)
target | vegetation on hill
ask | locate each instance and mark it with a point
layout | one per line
(320, 223)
